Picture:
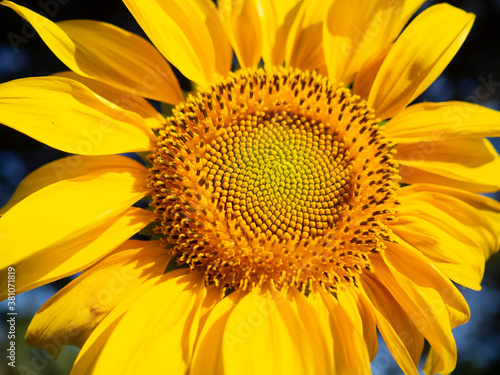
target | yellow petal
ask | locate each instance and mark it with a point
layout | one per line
(465, 266)
(276, 19)
(349, 346)
(75, 253)
(316, 336)
(470, 164)
(454, 229)
(435, 122)
(480, 209)
(212, 298)
(268, 325)
(470, 152)
(461, 216)
(366, 75)
(123, 99)
(66, 115)
(67, 168)
(356, 31)
(63, 220)
(424, 305)
(401, 336)
(433, 362)
(418, 57)
(323, 322)
(157, 332)
(241, 22)
(70, 316)
(207, 357)
(188, 33)
(369, 323)
(85, 361)
(304, 46)
(107, 53)
(424, 277)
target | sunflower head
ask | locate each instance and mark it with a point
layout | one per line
(274, 176)
(285, 193)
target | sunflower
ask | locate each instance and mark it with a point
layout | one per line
(297, 204)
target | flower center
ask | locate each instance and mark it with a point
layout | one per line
(279, 174)
(276, 177)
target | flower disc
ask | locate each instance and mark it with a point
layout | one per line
(275, 176)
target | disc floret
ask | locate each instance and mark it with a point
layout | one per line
(273, 176)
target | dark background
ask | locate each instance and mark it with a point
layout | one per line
(23, 54)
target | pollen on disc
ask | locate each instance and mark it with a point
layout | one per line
(276, 177)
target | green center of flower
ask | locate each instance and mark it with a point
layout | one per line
(276, 177)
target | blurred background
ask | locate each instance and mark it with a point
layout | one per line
(473, 75)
